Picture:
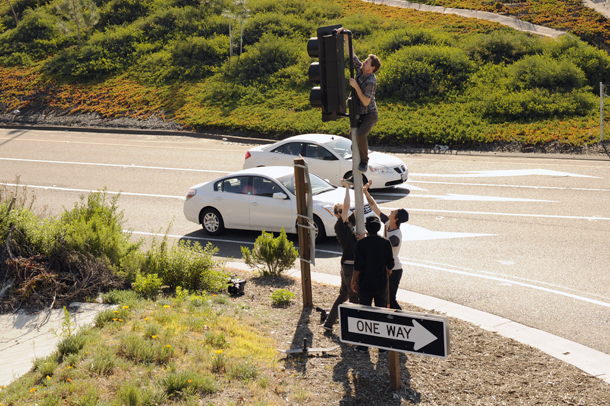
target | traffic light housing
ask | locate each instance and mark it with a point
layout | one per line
(329, 72)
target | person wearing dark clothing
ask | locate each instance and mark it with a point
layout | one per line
(365, 86)
(394, 234)
(347, 240)
(373, 263)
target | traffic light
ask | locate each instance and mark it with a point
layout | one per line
(329, 72)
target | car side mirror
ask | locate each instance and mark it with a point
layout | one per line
(280, 195)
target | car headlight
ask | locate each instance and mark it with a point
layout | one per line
(191, 193)
(380, 169)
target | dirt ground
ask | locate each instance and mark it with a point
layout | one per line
(483, 367)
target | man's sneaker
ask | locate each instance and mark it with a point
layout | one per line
(327, 328)
(363, 166)
(361, 348)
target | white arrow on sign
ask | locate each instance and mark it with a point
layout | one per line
(417, 334)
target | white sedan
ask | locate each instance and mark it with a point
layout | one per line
(261, 199)
(329, 157)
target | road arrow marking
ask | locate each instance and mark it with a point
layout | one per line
(417, 334)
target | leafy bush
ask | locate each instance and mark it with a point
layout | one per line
(118, 12)
(275, 25)
(185, 264)
(423, 71)
(534, 72)
(187, 382)
(271, 256)
(282, 297)
(46, 366)
(502, 47)
(95, 226)
(536, 103)
(196, 57)
(266, 57)
(148, 286)
(36, 36)
(137, 349)
(393, 40)
(71, 345)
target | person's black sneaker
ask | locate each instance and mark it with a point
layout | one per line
(327, 328)
(383, 351)
(361, 348)
(363, 166)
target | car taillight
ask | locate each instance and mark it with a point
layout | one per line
(248, 155)
(190, 193)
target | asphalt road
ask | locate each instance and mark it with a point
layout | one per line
(522, 237)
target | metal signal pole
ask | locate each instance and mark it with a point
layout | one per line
(353, 120)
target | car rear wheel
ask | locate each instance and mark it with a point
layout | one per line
(319, 226)
(211, 221)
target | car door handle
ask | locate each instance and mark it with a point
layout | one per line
(218, 198)
(254, 204)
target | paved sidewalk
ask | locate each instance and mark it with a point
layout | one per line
(483, 15)
(601, 6)
(24, 338)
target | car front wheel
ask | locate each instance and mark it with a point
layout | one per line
(211, 221)
(319, 229)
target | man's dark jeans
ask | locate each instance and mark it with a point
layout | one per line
(380, 297)
(394, 282)
(365, 125)
(345, 293)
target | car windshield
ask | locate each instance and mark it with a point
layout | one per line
(341, 146)
(317, 185)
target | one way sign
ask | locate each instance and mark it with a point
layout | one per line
(395, 330)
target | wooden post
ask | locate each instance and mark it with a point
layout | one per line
(300, 189)
(394, 370)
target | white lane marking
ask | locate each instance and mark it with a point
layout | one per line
(406, 261)
(475, 198)
(593, 218)
(64, 189)
(407, 186)
(486, 213)
(503, 280)
(511, 186)
(415, 233)
(503, 173)
(114, 165)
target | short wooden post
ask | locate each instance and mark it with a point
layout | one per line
(300, 190)
(394, 370)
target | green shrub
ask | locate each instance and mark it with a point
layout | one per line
(282, 297)
(121, 297)
(264, 26)
(423, 71)
(185, 264)
(71, 345)
(266, 57)
(148, 286)
(104, 361)
(501, 47)
(36, 36)
(391, 41)
(95, 226)
(118, 12)
(187, 382)
(244, 371)
(149, 350)
(271, 256)
(537, 72)
(46, 366)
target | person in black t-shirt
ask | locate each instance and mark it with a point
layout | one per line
(347, 240)
(373, 263)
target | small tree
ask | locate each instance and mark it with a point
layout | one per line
(83, 13)
(271, 256)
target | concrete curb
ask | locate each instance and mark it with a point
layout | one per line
(591, 361)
